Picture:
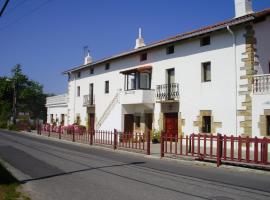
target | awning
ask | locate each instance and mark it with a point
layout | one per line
(145, 69)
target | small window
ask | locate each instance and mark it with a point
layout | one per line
(206, 126)
(137, 121)
(92, 70)
(269, 67)
(143, 57)
(268, 125)
(107, 87)
(205, 41)
(170, 50)
(107, 66)
(78, 91)
(79, 75)
(206, 72)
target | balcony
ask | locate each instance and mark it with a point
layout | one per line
(58, 100)
(167, 92)
(261, 84)
(137, 97)
(88, 100)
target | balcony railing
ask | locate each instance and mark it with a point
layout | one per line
(167, 92)
(261, 84)
(88, 100)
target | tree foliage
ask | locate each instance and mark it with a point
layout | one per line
(29, 93)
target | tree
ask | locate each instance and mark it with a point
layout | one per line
(23, 94)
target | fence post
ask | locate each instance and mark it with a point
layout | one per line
(91, 137)
(148, 136)
(49, 130)
(73, 134)
(115, 139)
(162, 144)
(60, 132)
(219, 149)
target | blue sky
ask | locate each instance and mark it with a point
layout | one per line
(47, 36)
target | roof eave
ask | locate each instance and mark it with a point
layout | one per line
(168, 41)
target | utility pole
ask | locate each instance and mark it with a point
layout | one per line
(14, 107)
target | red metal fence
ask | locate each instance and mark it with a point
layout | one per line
(138, 142)
(218, 148)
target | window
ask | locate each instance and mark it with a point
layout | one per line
(130, 81)
(137, 121)
(206, 72)
(79, 75)
(143, 57)
(107, 86)
(269, 67)
(206, 126)
(78, 91)
(268, 125)
(51, 118)
(170, 50)
(62, 119)
(107, 66)
(205, 41)
(92, 70)
(69, 76)
(145, 80)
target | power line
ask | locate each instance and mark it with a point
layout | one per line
(26, 14)
(4, 7)
(10, 10)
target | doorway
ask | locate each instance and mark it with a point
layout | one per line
(148, 122)
(171, 125)
(129, 123)
(91, 124)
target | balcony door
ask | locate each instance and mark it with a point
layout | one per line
(91, 93)
(170, 81)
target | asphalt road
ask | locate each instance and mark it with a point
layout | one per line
(54, 170)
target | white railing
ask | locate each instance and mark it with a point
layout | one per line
(88, 100)
(58, 99)
(261, 84)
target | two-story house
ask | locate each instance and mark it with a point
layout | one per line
(212, 80)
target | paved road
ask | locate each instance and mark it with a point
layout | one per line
(53, 170)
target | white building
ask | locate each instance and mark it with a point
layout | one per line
(214, 80)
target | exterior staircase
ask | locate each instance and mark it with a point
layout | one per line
(108, 110)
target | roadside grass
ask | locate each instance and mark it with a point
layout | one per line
(9, 186)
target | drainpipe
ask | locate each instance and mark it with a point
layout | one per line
(236, 78)
(75, 91)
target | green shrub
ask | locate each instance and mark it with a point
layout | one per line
(156, 136)
(13, 127)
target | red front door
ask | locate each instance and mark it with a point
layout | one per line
(171, 125)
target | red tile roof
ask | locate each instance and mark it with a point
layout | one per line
(232, 22)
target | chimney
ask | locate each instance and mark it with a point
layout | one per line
(88, 59)
(243, 7)
(139, 40)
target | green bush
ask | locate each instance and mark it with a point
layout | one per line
(156, 136)
(13, 127)
(3, 125)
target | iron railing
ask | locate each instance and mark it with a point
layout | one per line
(167, 92)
